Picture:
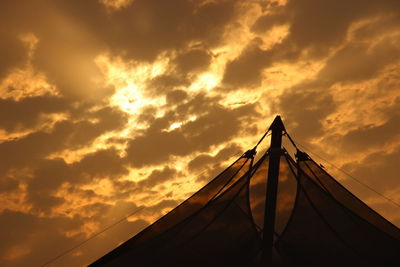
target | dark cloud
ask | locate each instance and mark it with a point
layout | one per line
(124, 188)
(157, 177)
(35, 235)
(378, 170)
(8, 184)
(359, 61)
(147, 28)
(84, 194)
(205, 160)
(154, 26)
(226, 122)
(102, 163)
(316, 27)
(320, 25)
(246, 69)
(176, 96)
(43, 203)
(25, 151)
(304, 107)
(163, 84)
(198, 103)
(50, 175)
(275, 17)
(106, 119)
(193, 60)
(27, 112)
(314, 24)
(371, 136)
(377, 26)
(200, 161)
(65, 134)
(314, 30)
(13, 53)
(156, 145)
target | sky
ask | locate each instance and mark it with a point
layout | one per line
(113, 107)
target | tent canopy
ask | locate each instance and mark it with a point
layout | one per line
(315, 220)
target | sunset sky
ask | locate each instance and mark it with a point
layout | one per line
(113, 106)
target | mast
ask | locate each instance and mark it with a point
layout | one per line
(275, 150)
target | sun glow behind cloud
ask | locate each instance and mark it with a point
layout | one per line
(130, 99)
(129, 80)
(205, 81)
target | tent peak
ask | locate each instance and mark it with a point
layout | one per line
(277, 124)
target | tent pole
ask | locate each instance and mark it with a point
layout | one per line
(275, 152)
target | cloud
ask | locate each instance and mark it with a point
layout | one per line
(193, 60)
(116, 4)
(28, 112)
(147, 28)
(163, 84)
(65, 134)
(377, 27)
(315, 24)
(199, 162)
(12, 53)
(176, 97)
(40, 234)
(372, 136)
(276, 16)
(157, 177)
(246, 69)
(360, 61)
(49, 175)
(102, 163)
(313, 33)
(305, 107)
(378, 170)
(156, 145)
(8, 184)
(34, 235)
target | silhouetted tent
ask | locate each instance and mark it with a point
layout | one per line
(274, 212)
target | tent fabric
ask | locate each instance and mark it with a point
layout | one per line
(346, 198)
(219, 212)
(286, 194)
(334, 234)
(318, 223)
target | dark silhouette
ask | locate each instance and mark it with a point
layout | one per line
(299, 216)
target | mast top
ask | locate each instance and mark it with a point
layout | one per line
(277, 124)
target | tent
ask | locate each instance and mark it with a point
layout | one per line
(276, 211)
